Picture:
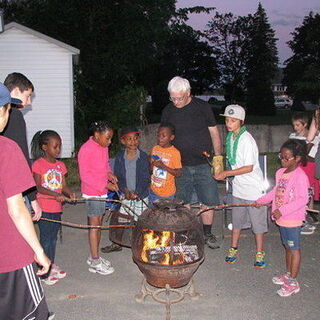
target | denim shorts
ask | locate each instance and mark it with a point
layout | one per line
(95, 208)
(153, 197)
(197, 179)
(290, 237)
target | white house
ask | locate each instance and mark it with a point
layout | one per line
(48, 63)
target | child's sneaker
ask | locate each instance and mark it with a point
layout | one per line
(289, 288)
(104, 261)
(282, 279)
(232, 256)
(50, 281)
(57, 272)
(259, 262)
(99, 267)
(307, 229)
(111, 248)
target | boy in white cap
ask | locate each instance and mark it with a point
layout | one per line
(247, 186)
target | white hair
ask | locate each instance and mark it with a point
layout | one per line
(177, 84)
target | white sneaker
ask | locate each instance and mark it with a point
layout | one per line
(101, 268)
(50, 281)
(104, 261)
(57, 272)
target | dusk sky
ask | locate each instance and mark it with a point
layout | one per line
(284, 15)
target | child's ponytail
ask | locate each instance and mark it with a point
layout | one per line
(36, 150)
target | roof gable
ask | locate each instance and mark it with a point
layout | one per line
(42, 36)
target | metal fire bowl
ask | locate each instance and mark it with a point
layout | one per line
(176, 276)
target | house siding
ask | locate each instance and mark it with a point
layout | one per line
(49, 67)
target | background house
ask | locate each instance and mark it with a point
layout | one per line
(48, 63)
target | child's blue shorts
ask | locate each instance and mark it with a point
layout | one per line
(290, 237)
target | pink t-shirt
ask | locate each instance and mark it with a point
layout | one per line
(93, 161)
(15, 177)
(280, 201)
(51, 178)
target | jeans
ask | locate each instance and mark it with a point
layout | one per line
(49, 232)
(197, 179)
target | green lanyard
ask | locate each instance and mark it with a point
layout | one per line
(232, 148)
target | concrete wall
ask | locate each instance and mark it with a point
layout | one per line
(268, 138)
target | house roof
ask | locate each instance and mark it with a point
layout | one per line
(58, 43)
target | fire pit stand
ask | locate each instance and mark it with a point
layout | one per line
(180, 294)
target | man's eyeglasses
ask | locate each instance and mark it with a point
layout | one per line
(283, 158)
(177, 99)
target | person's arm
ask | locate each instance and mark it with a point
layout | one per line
(235, 172)
(159, 164)
(66, 190)
(23, 222)
(312, 131)
(216, 140)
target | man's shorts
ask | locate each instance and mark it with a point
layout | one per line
(290, 237)
(96, 208)
(249, 217)
(197, 179)
(21, 295)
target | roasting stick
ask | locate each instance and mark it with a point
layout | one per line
(86, 226)
(224, 206)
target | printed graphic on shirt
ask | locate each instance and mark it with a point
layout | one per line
(280, 191)
(52, 179)
(159, 175)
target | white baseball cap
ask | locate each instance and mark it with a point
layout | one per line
(234, 111)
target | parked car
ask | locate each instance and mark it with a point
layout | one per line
(283, 103)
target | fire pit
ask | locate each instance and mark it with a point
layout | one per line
(167, 244)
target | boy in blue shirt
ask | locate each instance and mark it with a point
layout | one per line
(131, 167)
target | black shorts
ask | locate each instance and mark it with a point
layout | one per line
(22, 296)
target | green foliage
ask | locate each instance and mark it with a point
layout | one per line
(123, 43)
(302, 72)
(262, 65)
(228, 36)
(247, 58)
(73, 179)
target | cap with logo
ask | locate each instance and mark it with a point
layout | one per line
(234, 111)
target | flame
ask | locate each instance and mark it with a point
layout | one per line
(161, 239)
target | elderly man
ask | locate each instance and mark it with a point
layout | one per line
(196, 132)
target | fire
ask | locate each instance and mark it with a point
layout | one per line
(158, 247)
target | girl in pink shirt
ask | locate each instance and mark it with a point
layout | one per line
(289, 198)
(49, 175)
(96, 179)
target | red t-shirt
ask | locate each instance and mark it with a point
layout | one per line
(15, 177)
(51, 178)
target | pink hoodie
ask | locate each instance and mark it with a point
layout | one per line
(93, 161)
(295, 197)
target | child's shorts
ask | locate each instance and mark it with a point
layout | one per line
(136, 207)
(95, 208)
(290, 237)
(249, 217)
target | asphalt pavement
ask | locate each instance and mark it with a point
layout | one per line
(231, 292)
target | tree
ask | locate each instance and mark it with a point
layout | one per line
(228, 36)
(123, 44)
(302, 72)
(261, 65)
